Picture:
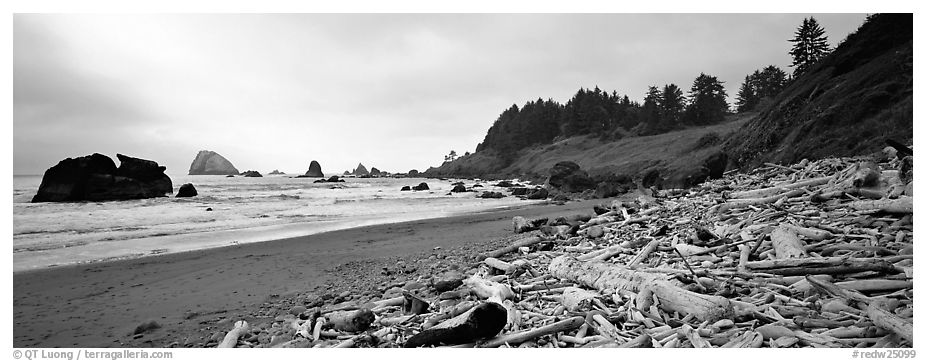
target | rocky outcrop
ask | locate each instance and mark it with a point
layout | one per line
(539, 193)
(315, 170)
(421, 187)
(361, 170)
(405, 188)
(491, 195)
(332, 179)
(413, 173)
(187, 190)
(275, 172)
(96, 178)
(459, 188)
(568, 177)
(375, 172)
(613, 186)
(711, 168)
(251, 173)
(211, 163)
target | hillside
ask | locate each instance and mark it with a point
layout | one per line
(675, 155)
(847, 104)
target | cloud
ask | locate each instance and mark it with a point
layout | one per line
(395, 91)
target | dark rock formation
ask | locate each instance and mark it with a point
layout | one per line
(251, 173)
(315, 170)
(715, 165)
(275, 172)
(519, 191)
(652, 179)
(504, 184)
(375, 172)
(347, 172)
(187, 190)
(421, 187)
(613, 186)
(568, 177)
(406, 188)
(361, 170)
(96, 178)
(209, 162)
(539, 193)
(459, 188)
(334, 179)
(491, 195)
(413, 173)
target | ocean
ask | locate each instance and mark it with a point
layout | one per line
(243, 210)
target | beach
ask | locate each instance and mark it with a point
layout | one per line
(99, 304)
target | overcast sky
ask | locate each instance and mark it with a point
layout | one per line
(396, 92)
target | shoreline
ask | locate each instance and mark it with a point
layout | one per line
(180, 243)
(98, 304)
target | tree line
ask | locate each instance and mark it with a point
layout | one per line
(610, 115)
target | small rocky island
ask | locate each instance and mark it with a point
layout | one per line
(96, 178)
(315, 171)
(208, 162)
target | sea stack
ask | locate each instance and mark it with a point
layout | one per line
(96, 178)
(315, 170)
(361, 170)
(208, 162)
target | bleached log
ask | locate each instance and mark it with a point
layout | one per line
(514, 246)
(786, 244)
(575, 299)
(900, 205)
(231, 338)
(811, 233)
(820, 265)
(640, 257)
(874, 310)
(780, 188)
(488, 290)
(317, 331)
(742, 203)
(350, 321)
(500, 265)
(748, 339)
(689, 333)
(875, 285)
(519, 337)
(602, 276)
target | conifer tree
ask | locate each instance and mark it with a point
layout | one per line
(810, 46)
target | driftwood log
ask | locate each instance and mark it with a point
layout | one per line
(483, 321)
(231, 338)
(604, 276)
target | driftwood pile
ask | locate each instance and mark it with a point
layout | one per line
(816, 254)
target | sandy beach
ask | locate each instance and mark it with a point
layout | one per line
(99, 305)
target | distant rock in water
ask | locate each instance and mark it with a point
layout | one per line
(315, 170)
(421, 187)
(211, 163)
(96, 178)
(251, 173)
(413, 173)
(187, 190)
(459, 188)
(361, 170)
(275, 172)
(568, 177)
(406, 188)
(347, 172)
(375, 172)
(491, 195)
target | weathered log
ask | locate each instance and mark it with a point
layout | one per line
(642, 341)
(640, 257)
(350, 321)
(780, 188)
(748, 339)
(875, 285)
(519, 337)
(811, 233)
(500, 265)
(786, 244)
(900, 205)
(231, 338)
(514, 246)
(875, 311)
(820, 265)
(483, 321)
(488, 290)
(604, 276)
(742, 203)
(691, 335)
(576, 299)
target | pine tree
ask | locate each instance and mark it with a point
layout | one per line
(708, 101)
(810, 46)
(671, 107)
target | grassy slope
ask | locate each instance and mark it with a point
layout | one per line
(675, 154)
(846, 105)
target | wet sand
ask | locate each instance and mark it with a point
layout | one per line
(98, 305)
